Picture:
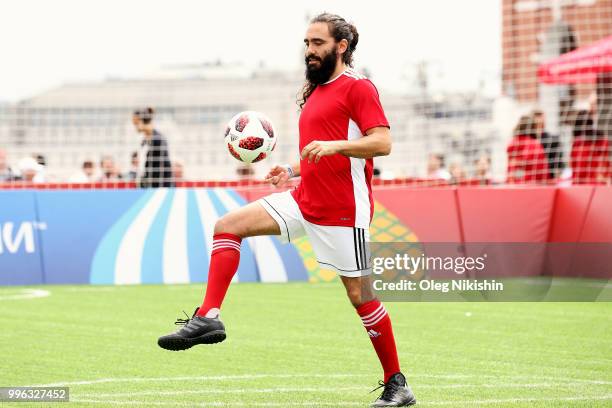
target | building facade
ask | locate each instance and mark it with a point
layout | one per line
(78, 122)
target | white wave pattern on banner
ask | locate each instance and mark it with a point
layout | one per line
(129, 255)
(269, 262)
(175, 257)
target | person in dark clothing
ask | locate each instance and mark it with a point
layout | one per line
(551, 145)
(155, 170)
(132, 174)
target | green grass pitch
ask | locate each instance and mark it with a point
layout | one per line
(301, 345)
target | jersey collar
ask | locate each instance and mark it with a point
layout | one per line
(333, 79)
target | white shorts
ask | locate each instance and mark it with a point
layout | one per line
(343, 249)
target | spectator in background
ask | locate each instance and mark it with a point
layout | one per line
(42, 171)
(132, 174)
(435, 167)
(86, 175)
(457, 173)
(178, 171)
(590, 156)
(550, 144)
(245, 172)
(526, 158)
(40, 159)
(157, 171)
(110, 172)
(6, 173)
(31, 171)
(483, 169)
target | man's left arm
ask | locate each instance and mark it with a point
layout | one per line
(376, 142)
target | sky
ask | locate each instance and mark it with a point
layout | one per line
(48, 43)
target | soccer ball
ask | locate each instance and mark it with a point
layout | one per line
(250, 137)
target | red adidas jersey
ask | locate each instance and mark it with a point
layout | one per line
(337, 190)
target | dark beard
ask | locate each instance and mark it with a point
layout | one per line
(323, 73)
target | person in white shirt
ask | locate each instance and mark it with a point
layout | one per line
(435, 167)
(85, 175)
(31, 171)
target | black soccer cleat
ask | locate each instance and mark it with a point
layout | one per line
(195, 330)
(396, 393)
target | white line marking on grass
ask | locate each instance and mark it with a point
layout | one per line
(501, 401)
(337, 403)
(220, 391)
(232, 377)
(258, 376)
(559, 380)
(580, 360)
(416, 386)
(564, 380)
(494, 385)
(26, 294)
(225, 404)
(196, 378)
(601, 382)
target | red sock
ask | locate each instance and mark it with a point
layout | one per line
(378, 326)
(224, 261)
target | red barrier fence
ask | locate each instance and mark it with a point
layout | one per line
(478, 214)
(576, 214)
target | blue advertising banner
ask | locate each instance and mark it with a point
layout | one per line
(76, 222)
(129, 237)
(20, 231)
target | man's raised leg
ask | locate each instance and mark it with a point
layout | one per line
(248, 221)
(205, 327)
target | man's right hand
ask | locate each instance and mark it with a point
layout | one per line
(278, 176)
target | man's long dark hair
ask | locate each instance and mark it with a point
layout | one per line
(340, 29)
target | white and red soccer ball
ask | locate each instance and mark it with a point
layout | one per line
(250, 137)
